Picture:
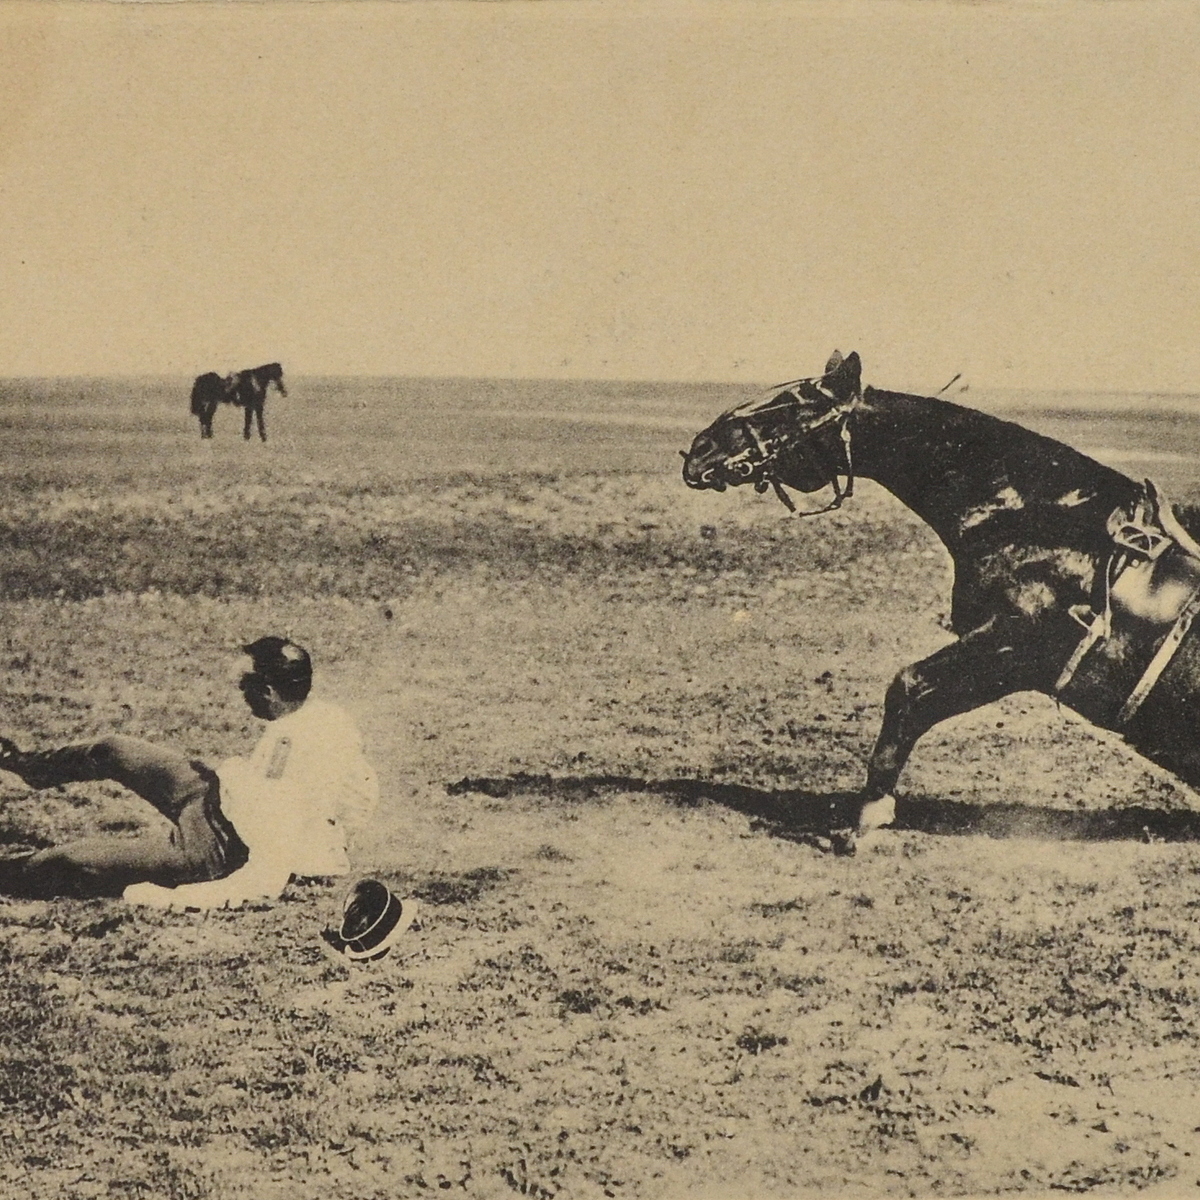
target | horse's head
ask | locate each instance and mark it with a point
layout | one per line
(273, 373)
(797, 437)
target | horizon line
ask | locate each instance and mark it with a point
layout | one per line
(1073, 389)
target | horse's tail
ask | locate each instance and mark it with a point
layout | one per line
(208, 389)
(198, 397)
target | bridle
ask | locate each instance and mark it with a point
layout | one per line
(761, 456)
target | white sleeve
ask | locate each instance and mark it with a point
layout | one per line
(254, 881)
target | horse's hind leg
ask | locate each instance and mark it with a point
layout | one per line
(249, 416)
(980, 667)
(262, 428)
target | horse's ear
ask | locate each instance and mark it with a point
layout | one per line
(843, 376)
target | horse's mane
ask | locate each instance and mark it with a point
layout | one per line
(978, 423)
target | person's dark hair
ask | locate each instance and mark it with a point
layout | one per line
(283, 664)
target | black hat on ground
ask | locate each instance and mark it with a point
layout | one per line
(373, 918)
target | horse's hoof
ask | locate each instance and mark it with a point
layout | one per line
(877, 814)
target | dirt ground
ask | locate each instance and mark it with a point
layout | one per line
(608, 715)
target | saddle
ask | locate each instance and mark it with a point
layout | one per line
(1151, 579)
(1154, 584)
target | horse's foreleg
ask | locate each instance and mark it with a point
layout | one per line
(977, 669)
(249, 416)
(980, 667)
(262, 428)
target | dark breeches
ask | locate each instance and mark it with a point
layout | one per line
(197, 844)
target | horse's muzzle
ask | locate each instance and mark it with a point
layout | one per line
(702, 477)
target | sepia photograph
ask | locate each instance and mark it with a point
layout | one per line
(597, 599)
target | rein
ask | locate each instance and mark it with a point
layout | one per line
(764, 453)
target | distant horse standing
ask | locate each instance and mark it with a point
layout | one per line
(246, 389)
(1069, 578)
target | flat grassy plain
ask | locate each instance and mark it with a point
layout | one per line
(609, 715)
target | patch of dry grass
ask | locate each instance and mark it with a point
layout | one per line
(606, 713)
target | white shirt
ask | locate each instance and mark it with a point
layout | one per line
(291, 801)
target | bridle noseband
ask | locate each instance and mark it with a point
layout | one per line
(761, 456)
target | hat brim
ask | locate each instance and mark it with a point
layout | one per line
(360, 950)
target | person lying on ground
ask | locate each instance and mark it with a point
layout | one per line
(237, 833)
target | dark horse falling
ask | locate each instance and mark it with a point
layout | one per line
(246, 389)
(1069, 578)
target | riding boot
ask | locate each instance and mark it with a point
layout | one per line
(48, 768)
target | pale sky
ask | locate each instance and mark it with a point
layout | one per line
(706, 190)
